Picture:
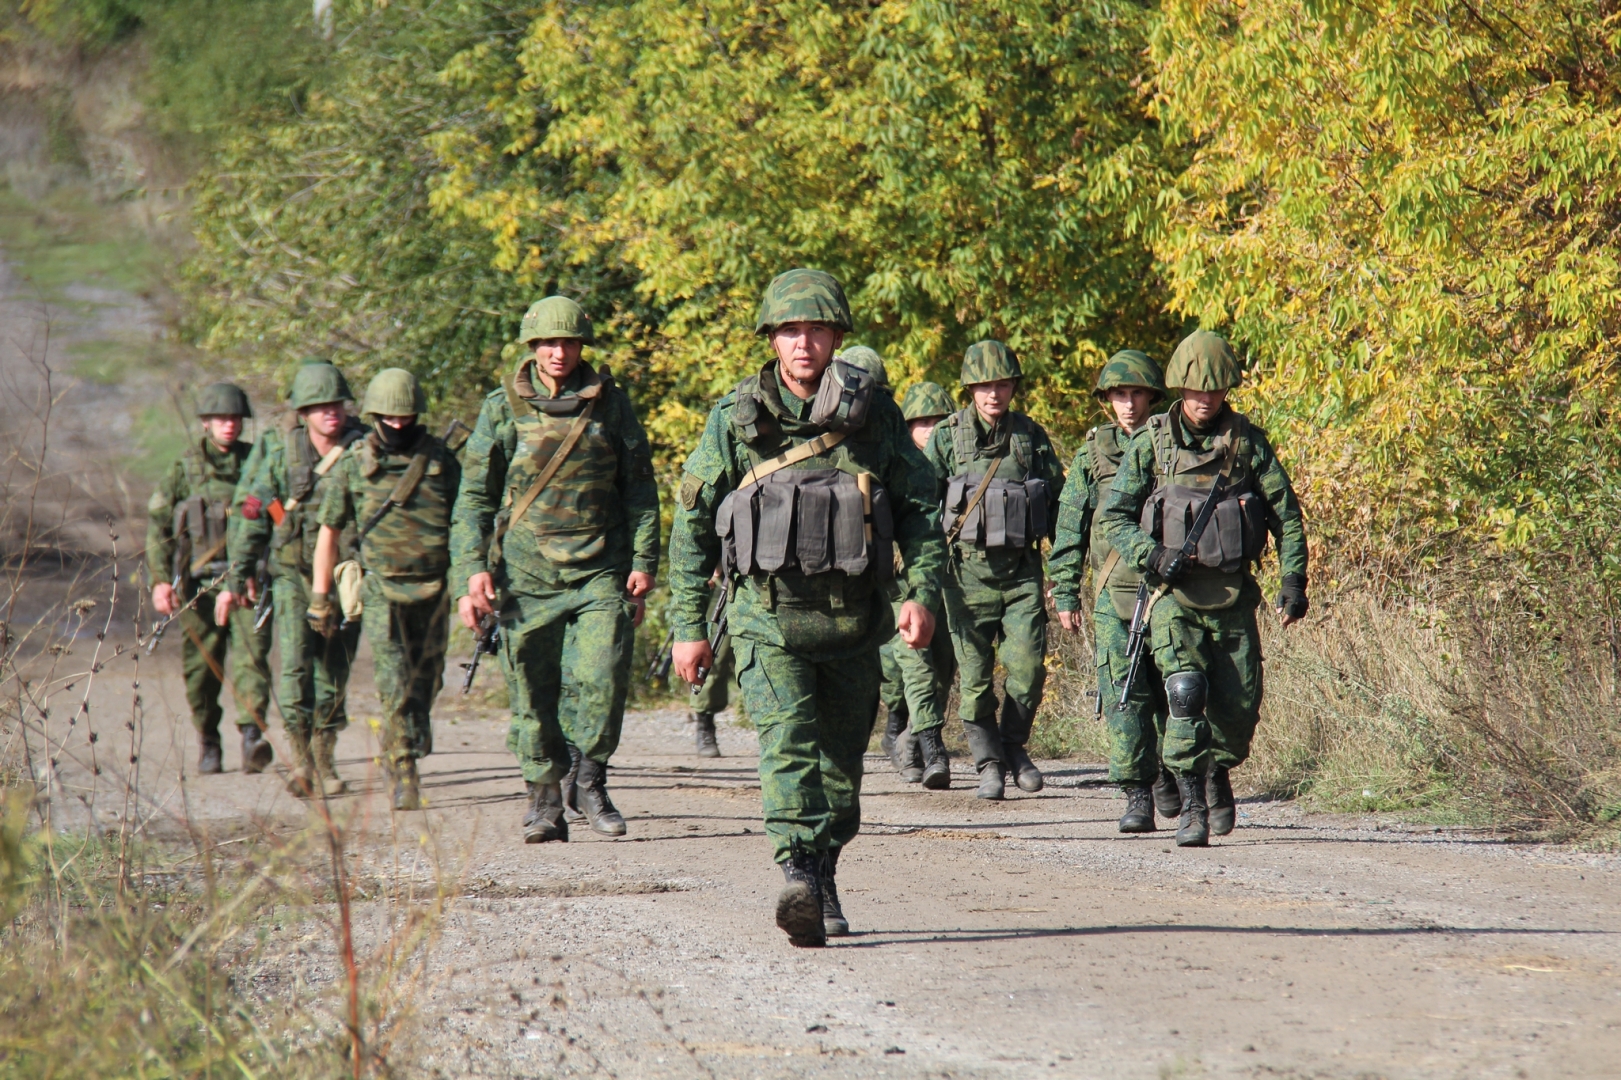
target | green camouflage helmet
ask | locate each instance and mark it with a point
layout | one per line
(318, 383)
(1130, 367)
(223, 399)
(810, 296)
(556, 317)
(1204, 361)
(926, 401)
(394, 392)
(869, 361)
(989, 361)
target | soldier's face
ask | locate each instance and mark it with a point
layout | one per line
(921, 429)
(991, 399)
(1201, 406)
(804, 350)
(325, 419)
(222, 430)
(398, 423)
(556, 358)
(1131, 405)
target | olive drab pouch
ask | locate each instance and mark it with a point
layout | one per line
(843, 399)
(346, 579)
(199, 531)
(1011, 514)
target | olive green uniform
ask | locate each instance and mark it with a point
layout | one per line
(282, 478)
(188, 519)
(560, 572)
(405, 558)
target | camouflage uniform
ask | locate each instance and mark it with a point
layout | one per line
(405, 558)
(994, 585)
(197, 490)
(1205, 636)
(560, 572)
(281, 478)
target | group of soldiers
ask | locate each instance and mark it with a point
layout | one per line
(831, 549)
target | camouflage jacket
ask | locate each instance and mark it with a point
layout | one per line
(881, 446)
(1091, 476)
(412, 541)
(1119, 518)
(600, 510)
(282, 469)
(199, 486)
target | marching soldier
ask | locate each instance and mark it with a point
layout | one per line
(918, 681)
(1205, 637)
(276, 505)
(397, 486)
(806, 449)
(557, 534)
(186, 539)
(1130, 385)
(1002, 485)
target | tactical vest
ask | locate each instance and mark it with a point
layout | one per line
(199, 522)
(1104, 450)
(1183, 477)
(292, 543)
(410, 547)
(574, 513)
(1013, 511)
(816, 536)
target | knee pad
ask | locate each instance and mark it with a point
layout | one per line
(1186, 693)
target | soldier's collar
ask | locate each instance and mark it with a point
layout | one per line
(583, 384)
(1184, 430)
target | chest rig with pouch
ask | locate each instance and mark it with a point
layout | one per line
(562, 485)
(1236, 535)
(808, 525)
(200, 519)
(408, 548)
(1105, 447)
(292, 540)
(1008, 507)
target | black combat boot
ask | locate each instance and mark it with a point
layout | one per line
(936, 762)
(210, 760)
(1219, 797)
(1166, 798)
(543, 820)
(985, 743)
(910, 755)
(1194, 829)
(894, 724)
(256, 749)
(1139, 815)
(707, 746)
(591, 793)
(1024, 771)
(407, 791)
(799, 905)
(571, 799)
(1017, 720)
(834, 924)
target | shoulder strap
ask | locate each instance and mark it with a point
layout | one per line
(979, 493)
(324, 466)
(792, 456)
(1102, 580)
(527, 499)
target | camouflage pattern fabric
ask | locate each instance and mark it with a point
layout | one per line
(1129, 367)
(410, 547)
(554, 318)
(408, 644)
(585, 631)
(917, 682)
(989, 361)
(814, 720)
(266, 477)
(1136, 731)
(803, 296)
(313, 687)
(204, 470)
(203, 648)
(1203, 361)
(1226, 646)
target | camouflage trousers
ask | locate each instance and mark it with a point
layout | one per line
(313, 687)
(716, 692)
(917, 682)
(203, 648)
(408, 643)
(814, 718)
(1136, 730)
(1226, 646)
(1004, 620)
(586, 632)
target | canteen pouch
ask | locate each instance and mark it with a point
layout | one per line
(346, 579)
(844, 398)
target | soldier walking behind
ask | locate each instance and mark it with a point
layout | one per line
(802, 482)
(398, 486)
(1205, 637)
(276, 519)
(1130, 384)
(917, 682)
(1002, 485)
(714, 694)
(557, 534)
(186, 538)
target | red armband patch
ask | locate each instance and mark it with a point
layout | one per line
(251, 507)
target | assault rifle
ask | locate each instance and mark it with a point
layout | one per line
(1145, 601)
(660, 669)
(488, 643)
(717, 632)
(262, 608)
(163, 624)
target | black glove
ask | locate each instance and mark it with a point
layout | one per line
(1169, 565)
(1292, 596)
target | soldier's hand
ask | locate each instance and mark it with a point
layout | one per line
(481, 596)
(915, 625)
(468, 613)
(253, 590)
(1070, 620)
(222, 607)
(322, 616)
(164, 599)
(1292, 602)
(639, 583)
(688, 656)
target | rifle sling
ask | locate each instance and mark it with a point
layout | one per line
(1104, 571)
(973, 504)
